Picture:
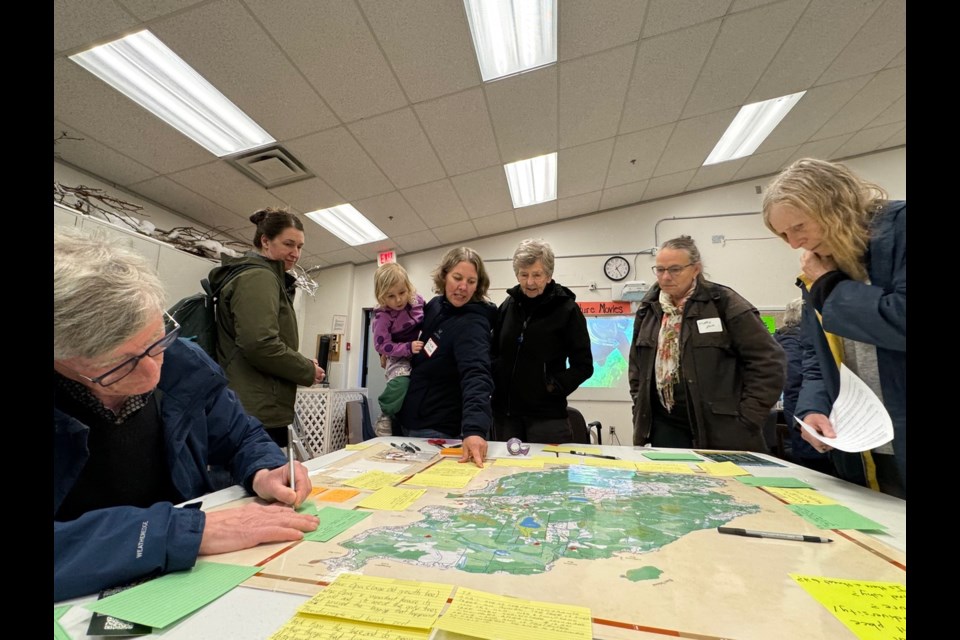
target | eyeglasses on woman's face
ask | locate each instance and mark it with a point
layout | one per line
(128, 366)
(673, 271)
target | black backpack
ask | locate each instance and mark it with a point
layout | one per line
(197, 314)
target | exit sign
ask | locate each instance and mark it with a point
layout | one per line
(386, 256)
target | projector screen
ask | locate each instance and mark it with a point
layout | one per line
(610, 338)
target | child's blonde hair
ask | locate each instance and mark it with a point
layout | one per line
(388, 276)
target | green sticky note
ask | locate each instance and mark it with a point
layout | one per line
(309, 507)
(834, 516)
(334, 521)
(771, 322)
(164, 600)
(58, 632)
(787, 483)
(664, 455)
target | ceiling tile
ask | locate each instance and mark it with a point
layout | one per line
(524, 113)
(380, 209)
(881, 39)
(497, 223)
(96, 158)
(813, 110)
(578, 205)
(744, 5)
(228, 47)
(692, 141)
(715, 174)
(317, 240)
(460, 130)
(428, 44)
(738, 57)
(344, 256)
(589, 26)
(118, 122)
(899, 60)
(635, 155)
(667, 15)
(227, 187)
(483, 192)
(88, 21)
(623, 195)
(398, 145)
(884, 89)
(336, 158)
(150, 9)
(436, 203)
(536, 214)
(193, 206)
(762, 164)
(668, 185)
(308, 195)
(897, 139)
(896, 112)
(819, 36)
(591, 95)
(337, 54)
(823, 149)
(867, 140)
(417, 241)
(582, 169)
(664, 74)
(459, 232)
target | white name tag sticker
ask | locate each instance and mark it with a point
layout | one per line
(710, 325)
(430, 347)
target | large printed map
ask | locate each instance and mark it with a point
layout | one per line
(640, 549)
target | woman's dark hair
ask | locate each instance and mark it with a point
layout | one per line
(271, 222)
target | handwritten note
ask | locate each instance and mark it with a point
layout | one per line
(358, 446)
(609, 464)
(723, 469)
(529, 463)
(303, 627)
(559, 461)
(451, 468)
(333, 522)
(164, 600)
(834, 516)
(315, 490)
(401, 603)
(663, 467)
(667, 455)
(770, 481)
(58, 632)
(485, 615)
(391, 499)
(871, 610)
(374, 480)
(439, 480)
(308, 507)
(859, 418)
(800, 496)
(338, 495)
(551, 448)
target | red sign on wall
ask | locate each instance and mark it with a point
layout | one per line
(612, 308)
(386, 256)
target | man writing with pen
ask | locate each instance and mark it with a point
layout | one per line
(138, 416)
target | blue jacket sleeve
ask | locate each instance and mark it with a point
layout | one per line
(472, 352)
(814, 396)
(109, 547)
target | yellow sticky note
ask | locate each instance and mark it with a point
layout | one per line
(312, 627)
(871, 610)
(553, 460)
(451, 468)
(567, 449)
(358, 446)
(401, 603)
(609, 464)
(530, 463)
(338, 495)
(485, 615)
(800, 496)
(439, 480)
(663, 467)
(391, 499)
(724, 469)
(374, 480)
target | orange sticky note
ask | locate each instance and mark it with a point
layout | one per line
(452, 451)
(337, 495)
(317, 490)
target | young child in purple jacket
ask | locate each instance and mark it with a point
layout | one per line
(396, 332)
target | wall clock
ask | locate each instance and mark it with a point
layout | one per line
(616, 268)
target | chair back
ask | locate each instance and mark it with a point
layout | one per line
(579, 426)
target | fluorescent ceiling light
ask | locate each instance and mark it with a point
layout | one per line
(752, 125)
(533, 180)
(348, 224)
(511, 36)
(149, 73)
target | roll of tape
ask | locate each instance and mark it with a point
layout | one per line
(516, 448)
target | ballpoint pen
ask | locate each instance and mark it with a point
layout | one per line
(290, 435)
(414, 446)
(593, 455)
(797, 537)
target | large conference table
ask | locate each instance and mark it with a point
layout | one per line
(254, 614)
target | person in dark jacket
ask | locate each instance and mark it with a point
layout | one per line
(138, 415)
(451, 381)
(788, 336)
(854, 287)
(257, 336)
(704, 369)
(541, 351)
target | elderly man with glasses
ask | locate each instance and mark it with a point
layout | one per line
(138, 416)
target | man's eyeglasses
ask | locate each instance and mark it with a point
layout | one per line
(127, 367)
(673, 271)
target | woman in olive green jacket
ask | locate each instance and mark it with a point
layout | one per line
(257, 337)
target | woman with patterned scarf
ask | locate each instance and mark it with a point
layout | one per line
(704, 369)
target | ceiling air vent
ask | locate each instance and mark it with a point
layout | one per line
(270, 166)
